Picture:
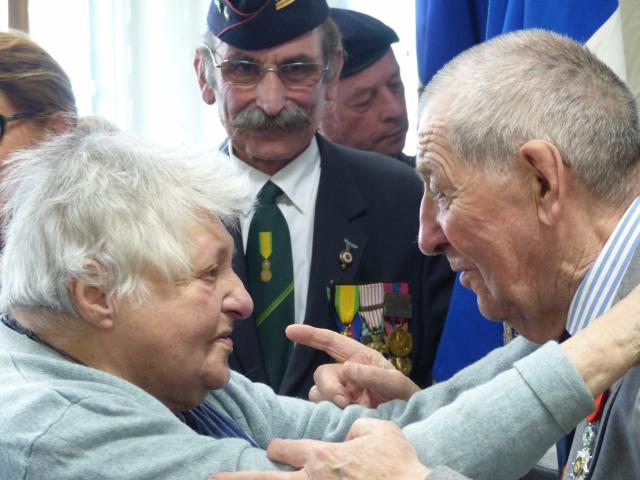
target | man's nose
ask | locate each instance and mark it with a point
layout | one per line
(393, 106)
(431, 239)
(270, 93)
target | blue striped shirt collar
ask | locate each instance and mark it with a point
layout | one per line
(597, 290)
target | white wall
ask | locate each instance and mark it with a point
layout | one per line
(131, 60)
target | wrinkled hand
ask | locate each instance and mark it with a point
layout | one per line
(609, 346)
(374, 450)
(362, 375)
(622, 324)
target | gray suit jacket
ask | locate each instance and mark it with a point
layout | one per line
(616, 453)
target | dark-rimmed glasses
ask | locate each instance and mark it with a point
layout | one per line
(248, 73)
(16, 116)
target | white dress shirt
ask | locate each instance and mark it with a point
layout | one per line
(299, 181)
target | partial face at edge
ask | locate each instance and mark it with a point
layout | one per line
(19, 133)
(370, 111)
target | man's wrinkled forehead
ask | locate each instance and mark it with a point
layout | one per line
(433, 143)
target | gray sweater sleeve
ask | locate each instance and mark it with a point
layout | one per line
(445, 473)
(75, 422)
(499, 429)
(483, 428)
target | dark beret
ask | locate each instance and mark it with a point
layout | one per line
(258, 24)
(365, 39)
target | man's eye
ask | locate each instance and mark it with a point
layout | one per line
(298, 68)
(395, 87)
(439, 196)
(363, 105)
(300, 71)
(243, 68)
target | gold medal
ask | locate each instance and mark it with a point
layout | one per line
(265, 274)
(400, 343)
(377, 344)
(403, 364)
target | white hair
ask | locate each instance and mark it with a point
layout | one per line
(536, 84)
(99, 197)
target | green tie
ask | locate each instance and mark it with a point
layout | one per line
(270, 275)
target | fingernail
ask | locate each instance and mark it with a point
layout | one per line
(340, 401)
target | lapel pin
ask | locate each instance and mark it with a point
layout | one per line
(345, 256)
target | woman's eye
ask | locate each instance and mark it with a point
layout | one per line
(210, 274)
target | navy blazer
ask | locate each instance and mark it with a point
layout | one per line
(373, 201)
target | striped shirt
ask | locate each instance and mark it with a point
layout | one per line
(599, 286)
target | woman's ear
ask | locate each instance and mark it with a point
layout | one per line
(91, 301)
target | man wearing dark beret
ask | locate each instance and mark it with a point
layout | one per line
(369, 111)
(332, 240)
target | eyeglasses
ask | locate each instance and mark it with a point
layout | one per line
(17, 116)
(245, 72)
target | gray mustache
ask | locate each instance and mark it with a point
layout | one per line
(254, 119)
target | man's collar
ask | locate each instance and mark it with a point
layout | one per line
(597, 289)
(295, 179)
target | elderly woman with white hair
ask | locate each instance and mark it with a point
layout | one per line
(119, 298)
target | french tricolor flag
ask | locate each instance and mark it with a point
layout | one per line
(444, 28)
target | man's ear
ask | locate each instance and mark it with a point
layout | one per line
(330, 114)
(332, 84)
(92, 302)
(550, 178)
(206, 90)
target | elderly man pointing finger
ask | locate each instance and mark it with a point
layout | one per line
(529, 149)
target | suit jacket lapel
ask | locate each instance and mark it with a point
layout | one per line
(338, 202)
(631, 277)
(629, 281)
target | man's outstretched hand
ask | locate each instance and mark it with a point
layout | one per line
(374, 449)
(361, 375)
